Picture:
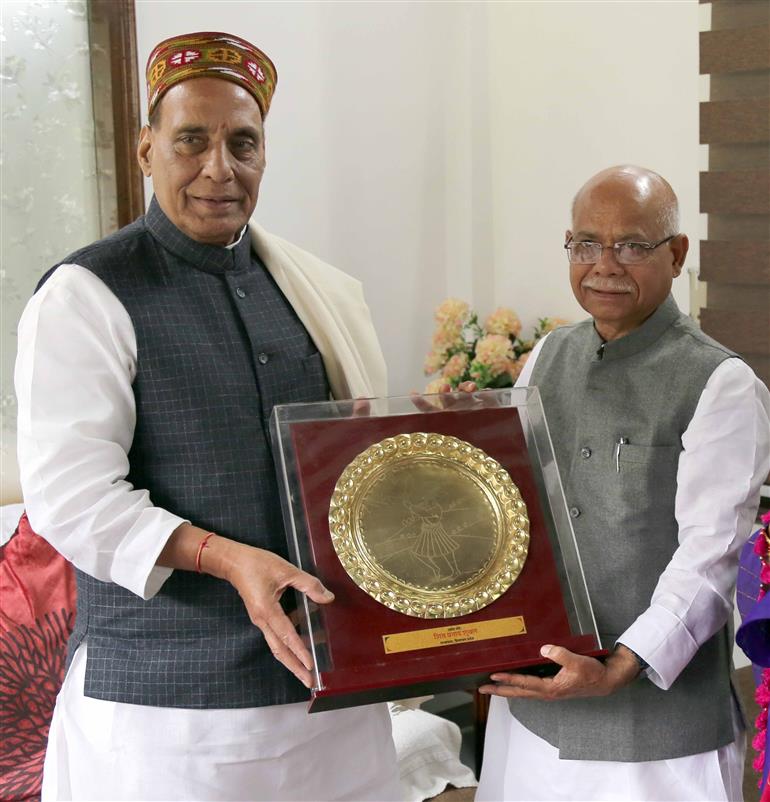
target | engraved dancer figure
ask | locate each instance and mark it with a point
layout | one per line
(433, 544)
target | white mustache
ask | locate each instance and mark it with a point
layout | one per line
(606, 285)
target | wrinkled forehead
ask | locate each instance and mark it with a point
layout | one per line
(620, 205)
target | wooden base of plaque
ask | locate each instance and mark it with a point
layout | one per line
(367, 652)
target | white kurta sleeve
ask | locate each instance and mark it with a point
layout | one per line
(726, 458)
(74, 370)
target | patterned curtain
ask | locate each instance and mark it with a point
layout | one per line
(49, 204)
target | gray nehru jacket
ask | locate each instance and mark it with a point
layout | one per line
(643, 387)
(218, 345)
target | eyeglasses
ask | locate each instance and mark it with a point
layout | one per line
(626, 253)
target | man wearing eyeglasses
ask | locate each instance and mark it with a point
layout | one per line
(662, 439)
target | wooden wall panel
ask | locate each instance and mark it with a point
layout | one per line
(738, 227)
(735, 262)
(732, 14)
(744, 333)
(737, 50)
(735, 121)
(749, 156)
(748, 298)
(729, 86)
(735, 191)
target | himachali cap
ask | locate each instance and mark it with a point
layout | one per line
(210, 55)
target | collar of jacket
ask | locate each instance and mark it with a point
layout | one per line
(208, 258)
(640, 338)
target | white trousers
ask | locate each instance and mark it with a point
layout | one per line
(518, 766)
(100, 750)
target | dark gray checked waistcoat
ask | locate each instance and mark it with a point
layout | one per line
(644, 387)
(218, 346)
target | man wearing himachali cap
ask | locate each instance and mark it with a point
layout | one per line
(149, 363)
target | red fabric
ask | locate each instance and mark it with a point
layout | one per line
(765, 793)
(37, 613)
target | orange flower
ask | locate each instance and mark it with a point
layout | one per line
(450, 317)
(503, 321)
(495, 351)
(517, 365)
(433, 361)
(452, 311)
(456, 366)
(514, 369)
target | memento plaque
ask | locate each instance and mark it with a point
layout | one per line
(429, 525)
(443, 535)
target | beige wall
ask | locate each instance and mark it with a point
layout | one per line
(433, 149)
(575, 87)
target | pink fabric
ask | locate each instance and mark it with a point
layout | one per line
(37, 613)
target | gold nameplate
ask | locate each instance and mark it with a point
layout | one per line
(459, 633)
(429, 525)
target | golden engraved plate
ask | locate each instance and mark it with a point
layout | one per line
(429, 525)
(459, 633)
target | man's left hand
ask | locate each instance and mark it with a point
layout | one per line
(579, 676)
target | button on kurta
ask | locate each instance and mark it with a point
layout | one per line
(574, 512)
(585, 452)
(263, 358)
(241, 293)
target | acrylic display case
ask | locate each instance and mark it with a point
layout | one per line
(439, 522)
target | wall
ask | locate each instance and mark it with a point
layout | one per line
(575, 87)
(429, 149)
(433, 149)
(357, 142)
(735, 186)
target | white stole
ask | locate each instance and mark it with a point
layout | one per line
(331, 306)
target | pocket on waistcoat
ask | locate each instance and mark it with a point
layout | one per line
(313, 366)
(647, 478)
(650, 461)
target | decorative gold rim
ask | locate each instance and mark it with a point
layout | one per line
(487, 474)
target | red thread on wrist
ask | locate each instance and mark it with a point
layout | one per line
(202, 546)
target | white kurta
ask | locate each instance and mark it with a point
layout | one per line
(99, 750)
(76, 364)
(725, 459)
(520, 767)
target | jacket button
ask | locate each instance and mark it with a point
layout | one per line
(240, 292)
(585, 453)
(263, 358)
(574, 512)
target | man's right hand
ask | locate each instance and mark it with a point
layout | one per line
(260, 577)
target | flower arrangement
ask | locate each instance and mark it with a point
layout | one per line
(492, 354)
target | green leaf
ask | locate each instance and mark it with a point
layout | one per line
(502, 380)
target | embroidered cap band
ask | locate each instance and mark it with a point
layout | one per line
(214, 55)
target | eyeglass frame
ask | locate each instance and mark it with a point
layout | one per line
(648, 246)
